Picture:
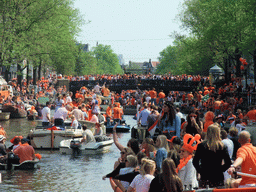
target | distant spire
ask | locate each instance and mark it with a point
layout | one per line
(97, 43)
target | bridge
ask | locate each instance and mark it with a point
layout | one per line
(132, 84)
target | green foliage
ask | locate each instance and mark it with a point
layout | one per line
(39, 28)
(220, 33)
(107, 60)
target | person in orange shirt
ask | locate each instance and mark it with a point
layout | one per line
(209, 116)
(240, 114)
(153, 95)
(231, 117)
(251, 114)
(246, 156)
(217, 105)
(109, 113)
(133, 101)
(105, 91)
(190, 97)
(161, 96)
(118, 112)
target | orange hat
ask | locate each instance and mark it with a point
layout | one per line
(189, 145)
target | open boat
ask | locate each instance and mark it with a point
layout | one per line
(50, 137)
(15, 112)
(26, 165)
(121, 127)
(73, 146)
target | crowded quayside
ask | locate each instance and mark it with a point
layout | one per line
(180, 141)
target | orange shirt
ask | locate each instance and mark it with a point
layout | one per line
(25, 152)
(109, 112)
(190, 96)
(248, 153)
(206, 125)
(240, 116)
(133, 101)
(251, 114)
(153, 94)
(231, 121)
(161, 95)
(105, 92)
(118, 112)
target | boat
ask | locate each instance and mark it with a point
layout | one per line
(129, 110)
(121, 127)
(4, 116)
(15, 112)
(73, 146)
(25, 165)
(50, 137)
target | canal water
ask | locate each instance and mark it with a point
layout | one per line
(58, 172)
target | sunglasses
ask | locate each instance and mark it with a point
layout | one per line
(122, 152)
(195, 116)
(182, 151)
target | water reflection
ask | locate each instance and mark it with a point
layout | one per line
(61, 172)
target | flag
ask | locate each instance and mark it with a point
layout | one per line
(152, 129)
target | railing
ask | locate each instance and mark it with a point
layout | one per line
(126, 84)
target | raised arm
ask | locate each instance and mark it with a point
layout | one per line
(118, 145)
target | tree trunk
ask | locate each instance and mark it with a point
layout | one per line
(6, 74)
(19, 74)
(34, 75)
(28, 78)
(254, 64)
(238, 62)
(39, 69)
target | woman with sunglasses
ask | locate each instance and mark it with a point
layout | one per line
(169, 122)
(131, 163)
(193, 125)
(120, 163)
(185, 169)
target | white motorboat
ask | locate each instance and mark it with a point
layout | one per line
(45, 138)
(50, 137)
(73, 146)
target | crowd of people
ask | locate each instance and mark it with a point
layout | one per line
(191, 138)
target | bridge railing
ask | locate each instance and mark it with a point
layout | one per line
(126, 84)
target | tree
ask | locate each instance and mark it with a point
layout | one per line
(107, 60)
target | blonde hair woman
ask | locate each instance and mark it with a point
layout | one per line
(131, 163)
(141, 182)
(162, 151)
(211, 154)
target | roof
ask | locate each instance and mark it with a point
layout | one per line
(155, 63)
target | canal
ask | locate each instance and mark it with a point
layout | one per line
(58, 172)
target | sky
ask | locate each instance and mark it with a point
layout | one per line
(137, 29)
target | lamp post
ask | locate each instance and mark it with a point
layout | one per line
(215, 72)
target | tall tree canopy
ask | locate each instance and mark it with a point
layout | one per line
(220, 33)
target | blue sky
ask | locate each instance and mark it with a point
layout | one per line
(138, 30)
